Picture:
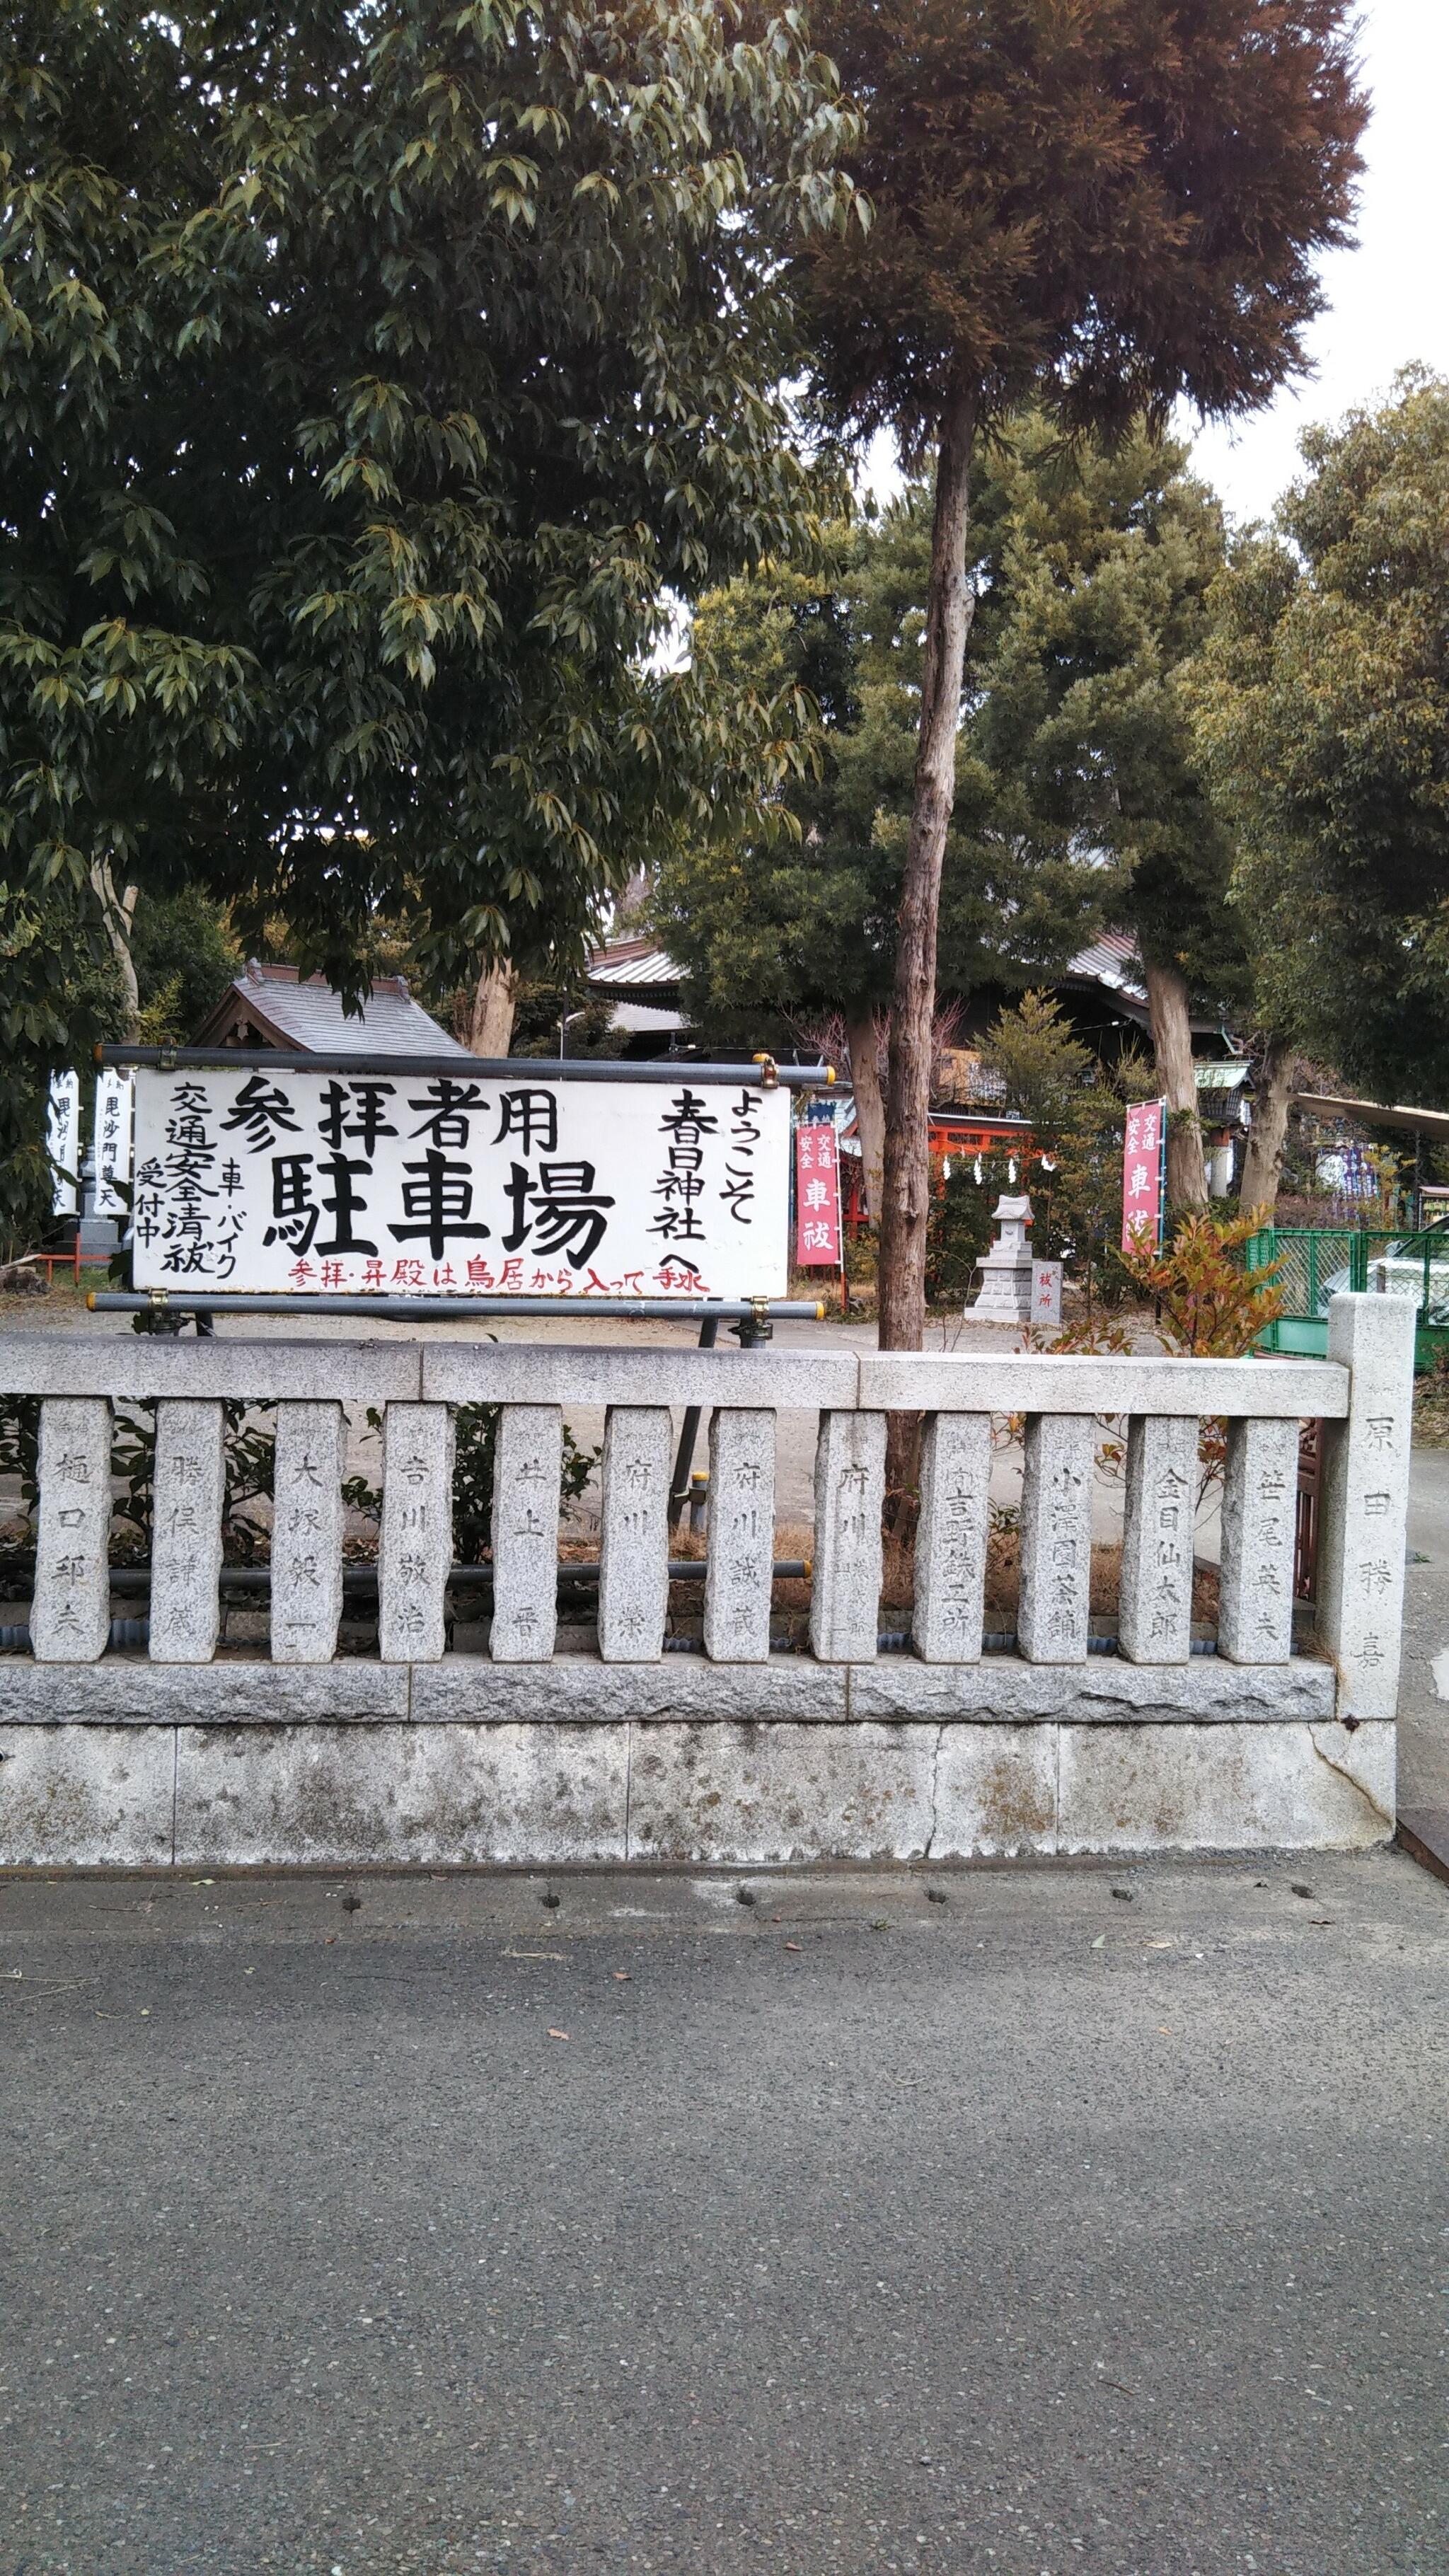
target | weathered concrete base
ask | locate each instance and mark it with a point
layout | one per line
(715, 1791)
(581, 1690)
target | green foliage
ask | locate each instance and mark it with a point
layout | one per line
(249, 1452)
(475, 1442)
(1211, 1302)
(1108, 561)
(1040, 1062)
(543, 1003)
(1323, 714)
(185, 957)
(475, 1429)
(399, 370)
(60, 993)
(1077, 1106)
(250, 1456)
(1077, 801)
(958, 1226)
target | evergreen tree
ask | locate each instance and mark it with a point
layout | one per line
(1078, 802)
(1323, 713)
(1108, 204)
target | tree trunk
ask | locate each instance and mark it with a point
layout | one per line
(1263, 1166)
(1172, 1045)
(495, 1000)
(118, 912)
(906, 1197)
(860, 1037)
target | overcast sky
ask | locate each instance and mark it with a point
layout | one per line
(1389, 298)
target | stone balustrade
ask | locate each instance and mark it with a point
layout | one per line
(735, 1752)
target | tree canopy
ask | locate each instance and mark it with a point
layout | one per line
(1102, 204)
(370, 385)
(1323, 713)
(1078, 800)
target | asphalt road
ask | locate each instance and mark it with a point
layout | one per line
(1032, 2230)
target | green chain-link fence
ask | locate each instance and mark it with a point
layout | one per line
(1319, 1260)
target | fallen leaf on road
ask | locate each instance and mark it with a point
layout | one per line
(1101, 1941)
(1166, 2033)
(622, 1977)
(792, 1945)
(558, 2034)
(537, 1954)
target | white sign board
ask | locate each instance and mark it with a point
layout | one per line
(113, 1141)
(409, 1185)
(1046, 1292)
(62, 1141)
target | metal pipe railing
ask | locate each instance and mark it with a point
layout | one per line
(457, 1310)
(513, 1068)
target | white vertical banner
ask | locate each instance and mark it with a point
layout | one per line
(62, 1142)
(115, 1097)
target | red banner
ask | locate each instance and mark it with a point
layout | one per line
(817, 1198)
(1142, 1176)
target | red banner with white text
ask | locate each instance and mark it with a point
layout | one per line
(817, 1198)
(1142, 1175)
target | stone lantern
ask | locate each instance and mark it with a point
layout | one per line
(1006, 1270)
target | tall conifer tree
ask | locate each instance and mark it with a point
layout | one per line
(1108, 204)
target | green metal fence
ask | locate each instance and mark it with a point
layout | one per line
(1319, 1260)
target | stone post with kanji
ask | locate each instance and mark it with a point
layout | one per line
(1366, 1501)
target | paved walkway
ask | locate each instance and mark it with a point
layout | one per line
(415, 2227)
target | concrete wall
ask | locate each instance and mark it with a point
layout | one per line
(467, 1762)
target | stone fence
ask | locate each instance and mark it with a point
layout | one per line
(193, 1751)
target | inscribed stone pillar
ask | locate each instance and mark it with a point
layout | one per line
(1056, 1538)
(527, 1468)
(1260, 1505)
(1366, 1501)
(417, 1532)
(951, 1540)
(849, 1499)
(187, 1502)
(740, 1565)
(1154, 1619)
(634, 1538)
(307, 1533)
(70, 1619)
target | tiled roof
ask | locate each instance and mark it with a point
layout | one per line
(634, 961)
(310, 1018)
(1112, 960)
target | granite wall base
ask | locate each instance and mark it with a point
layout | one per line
(701, 1792)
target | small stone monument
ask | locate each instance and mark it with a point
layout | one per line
(1006, 1270)
(1046, 1292)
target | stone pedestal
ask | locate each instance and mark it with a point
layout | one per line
(416, 1553)
(849, 1499)
(741, 1537)
(951, 1542)
(307, 1526)
(634, 1533)
(1006, 1270)
(527, 1463)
